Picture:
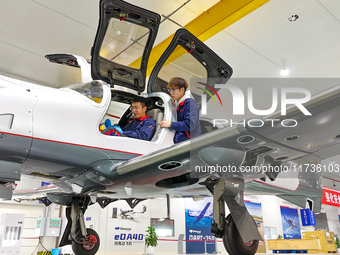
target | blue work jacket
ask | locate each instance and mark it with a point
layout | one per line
(143, 128)
(187, 125)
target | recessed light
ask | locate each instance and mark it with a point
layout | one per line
(293, 17)
(284, 71)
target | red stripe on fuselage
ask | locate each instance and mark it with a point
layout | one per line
(74, 144)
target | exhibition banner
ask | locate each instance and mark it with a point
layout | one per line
(307, 217)
(331, 197)
(290, 223)
(198, 216)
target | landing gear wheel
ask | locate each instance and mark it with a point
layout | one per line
(225, 235)
(233, 242)
(86, 247)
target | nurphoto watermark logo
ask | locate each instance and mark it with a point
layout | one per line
(244, 100)
(267, 128)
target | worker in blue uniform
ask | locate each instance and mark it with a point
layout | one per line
(187, 125)
(141, 127)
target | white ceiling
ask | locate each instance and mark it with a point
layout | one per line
(264, 41)
(258, 45)
(255, 46)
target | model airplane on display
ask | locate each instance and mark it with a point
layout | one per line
(290, 223)
(201, 214)
(130, 214)
(54, 134)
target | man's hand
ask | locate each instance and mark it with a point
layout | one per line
(118, 129)
(165, 124)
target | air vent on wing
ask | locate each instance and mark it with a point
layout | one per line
(245, 139)
(292, 138)
(177, 181)
(170, 165)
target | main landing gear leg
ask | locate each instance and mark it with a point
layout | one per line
(218, 222)
(226, 228)
(85, 241)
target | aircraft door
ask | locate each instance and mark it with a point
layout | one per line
(187, 57)
(123, 43)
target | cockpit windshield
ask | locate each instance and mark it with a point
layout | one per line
(92, 90)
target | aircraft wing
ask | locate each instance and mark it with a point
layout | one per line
(40, 191)
(314, 138)
(238, 154)
(242, 147)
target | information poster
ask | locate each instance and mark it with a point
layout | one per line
(290, 223)
(198, 216)
(307, 217)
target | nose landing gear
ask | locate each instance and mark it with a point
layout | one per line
(85, 241)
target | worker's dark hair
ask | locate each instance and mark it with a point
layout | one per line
(178, 82)
(143, 101)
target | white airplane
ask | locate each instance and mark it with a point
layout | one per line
(54, 134)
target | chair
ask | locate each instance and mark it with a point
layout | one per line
(157, 116)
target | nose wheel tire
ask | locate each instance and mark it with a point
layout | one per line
(233, 242)
(86, 246)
